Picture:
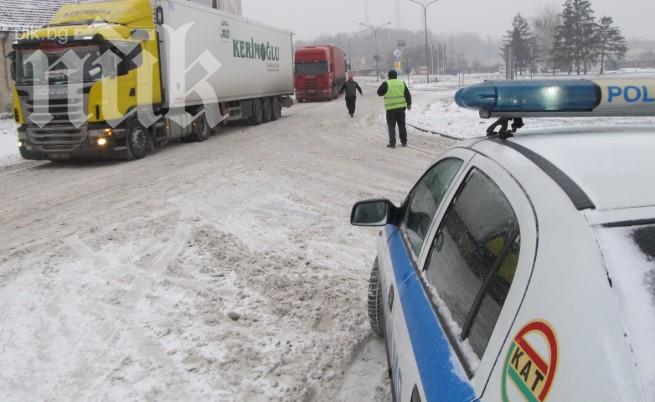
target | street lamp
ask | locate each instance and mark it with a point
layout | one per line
(377, 53)
(425, 16)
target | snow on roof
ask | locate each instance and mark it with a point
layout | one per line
(23, 15)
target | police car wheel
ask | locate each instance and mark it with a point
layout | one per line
(375, 312)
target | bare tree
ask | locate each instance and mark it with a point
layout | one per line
(545, 24)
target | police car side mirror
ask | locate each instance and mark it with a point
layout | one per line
(373, 213)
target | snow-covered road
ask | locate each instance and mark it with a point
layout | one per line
(224, 270)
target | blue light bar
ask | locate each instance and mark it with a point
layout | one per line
(551, 98)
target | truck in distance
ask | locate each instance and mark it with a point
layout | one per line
(320, 72)
(116, 79)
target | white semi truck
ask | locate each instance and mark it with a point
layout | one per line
(119, 78)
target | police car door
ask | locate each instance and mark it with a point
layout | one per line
(410, 322)
(475, 270)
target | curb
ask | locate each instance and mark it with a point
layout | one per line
(450, 137)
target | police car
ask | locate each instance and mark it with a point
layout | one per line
(521, 267)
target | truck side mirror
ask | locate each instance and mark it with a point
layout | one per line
(372, 213)
(12, 57)
(140, 34)
(159, 15)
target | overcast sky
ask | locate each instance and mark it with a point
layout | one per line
(310, 18)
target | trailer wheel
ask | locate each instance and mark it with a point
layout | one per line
(137, 140)
(375, 312)
(268, 110)
(257, 116)
(200, 129)
(277, 108)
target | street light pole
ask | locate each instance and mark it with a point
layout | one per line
(425, 19)
(377, 53)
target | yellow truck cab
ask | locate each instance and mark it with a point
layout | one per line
(118, 78)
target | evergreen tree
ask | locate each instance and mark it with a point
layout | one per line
(564, 46)
(611, 43)
(519, 41)
(588, 42)
(576, 40)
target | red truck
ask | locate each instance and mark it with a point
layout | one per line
(320, 72)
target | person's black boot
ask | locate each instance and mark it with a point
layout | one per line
(391, 145)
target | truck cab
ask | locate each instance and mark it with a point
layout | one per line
(78, 77)
(320, 72)
(117, 78)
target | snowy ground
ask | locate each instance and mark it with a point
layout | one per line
(8, 139)
(225, 270)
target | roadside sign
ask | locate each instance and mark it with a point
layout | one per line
(398, 65)
(401, 43)
(397, 53)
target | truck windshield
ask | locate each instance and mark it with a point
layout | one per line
(629, 253)
(311, 68)
(47, 65)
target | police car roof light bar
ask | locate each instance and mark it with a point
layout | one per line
(516, 100)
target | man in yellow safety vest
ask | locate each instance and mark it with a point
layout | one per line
(397, 99)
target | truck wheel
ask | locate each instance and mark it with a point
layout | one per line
(137, 140)
(268, 110)
(277, 108)
(200, 129)
(375, 312)
(257, 116)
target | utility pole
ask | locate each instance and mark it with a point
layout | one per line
(432, 58)
(377, 53)
(425, 19)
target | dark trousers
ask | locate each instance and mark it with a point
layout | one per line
(397, 116)
(351, 102)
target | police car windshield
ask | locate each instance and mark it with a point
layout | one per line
(630, 258)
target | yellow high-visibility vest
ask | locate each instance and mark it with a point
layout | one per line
(395, 97)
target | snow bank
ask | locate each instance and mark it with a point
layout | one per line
(8, 149)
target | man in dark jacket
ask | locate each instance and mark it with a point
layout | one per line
(397, 99)
(351, 87)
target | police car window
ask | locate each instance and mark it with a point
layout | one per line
(425, 200)
(473, 259)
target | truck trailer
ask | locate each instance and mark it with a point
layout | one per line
(320, 72)
(116, 79)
